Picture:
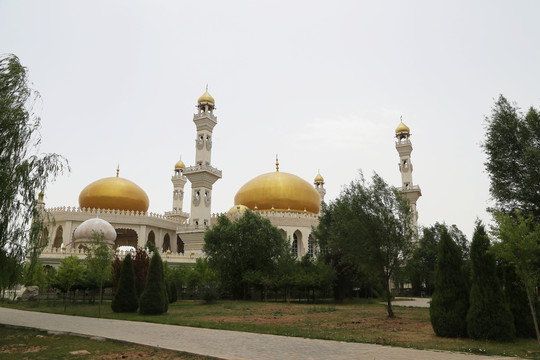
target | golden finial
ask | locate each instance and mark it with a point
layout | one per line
(117, 170)
(277, 164)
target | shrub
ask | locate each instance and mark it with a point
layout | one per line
(154, 298)
(489, 317)
(125, 299)
(450, 300)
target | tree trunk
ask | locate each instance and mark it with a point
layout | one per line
(533, 313)
(389, 298)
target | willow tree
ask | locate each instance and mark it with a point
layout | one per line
(23, 171)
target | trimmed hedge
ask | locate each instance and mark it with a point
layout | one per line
(154, 299)
(489, 317)
(125, 299)
(450, 300)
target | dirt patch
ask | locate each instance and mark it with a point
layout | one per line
(138, 355)
(21, 348)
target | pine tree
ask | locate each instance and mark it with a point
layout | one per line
(125, 299)
(489, 317)
(450, 301)
(154, 298)
(516, 297)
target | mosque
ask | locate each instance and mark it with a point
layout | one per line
(118, 207)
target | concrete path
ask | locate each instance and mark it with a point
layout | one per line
(219, 343)
(412, 302)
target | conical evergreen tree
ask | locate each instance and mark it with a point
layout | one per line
(450, 300)
(154, 298)
(125, 299)
(489, 317)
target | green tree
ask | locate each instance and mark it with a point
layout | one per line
(23, 172)
(489, 317)
(512, 146)
(34, 275)
(519, 246)
(249, 244)
(125, 299)
(99, 257)
(11, 272)
(70, 272)
(421, 267)
(154, 299)
(369, 227)
(203, 279)
(450, 301)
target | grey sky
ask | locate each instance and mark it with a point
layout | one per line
(322, 84)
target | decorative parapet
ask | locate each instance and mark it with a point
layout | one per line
(204, 167)
(61, 213)
(203, 115)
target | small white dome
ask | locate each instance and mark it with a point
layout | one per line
(85, 230)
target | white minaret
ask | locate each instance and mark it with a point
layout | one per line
(319, 185)
(202, 175)
(179, 181)
(404, 148)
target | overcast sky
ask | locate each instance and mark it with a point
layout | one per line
(322, 84)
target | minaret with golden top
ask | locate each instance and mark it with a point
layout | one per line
(202, 175)
(404, 148)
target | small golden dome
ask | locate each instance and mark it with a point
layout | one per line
(318, 178)
(179, 165)
(237, 208)
(114, 193)
(279, 191)
(206, 97)
(402, 128)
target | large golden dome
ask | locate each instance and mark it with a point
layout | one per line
(279, 191)
(114, 193)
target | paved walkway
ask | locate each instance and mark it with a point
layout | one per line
(412, 302)
(219, 343)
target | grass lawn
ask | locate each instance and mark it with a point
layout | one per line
(17, 343)
(358, 321)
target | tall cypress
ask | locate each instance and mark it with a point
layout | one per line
(125, 299)
(154, 298)
(450, 301)
(489, 317)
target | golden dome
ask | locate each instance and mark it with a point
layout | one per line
(279, 191)
(206, 97)
(180, 165)
(402, 128)
(318, 178)
(237, 208)
(114, 193)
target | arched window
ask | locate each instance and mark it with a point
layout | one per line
(58, 238)
(151, 238)
(179, 245)
(126, 237)
(166, 242)
(310, 246)
(294, 247)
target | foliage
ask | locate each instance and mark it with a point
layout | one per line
(125, 298)
(420, 269)
(519, 246)
(489, 317)
(368, 227)
(450, 301)
(516, 297)
(98, 262)
(154, 299)
(34, 275)
(204, 280)
(70, 271)
(11, 272)
(141, 262)
(249, 244)
(512, 146)
(22, 172)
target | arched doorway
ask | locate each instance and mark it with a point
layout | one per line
(126, 237)
(166, 242)
(151, 238)
(58, 238)
(179, 245)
